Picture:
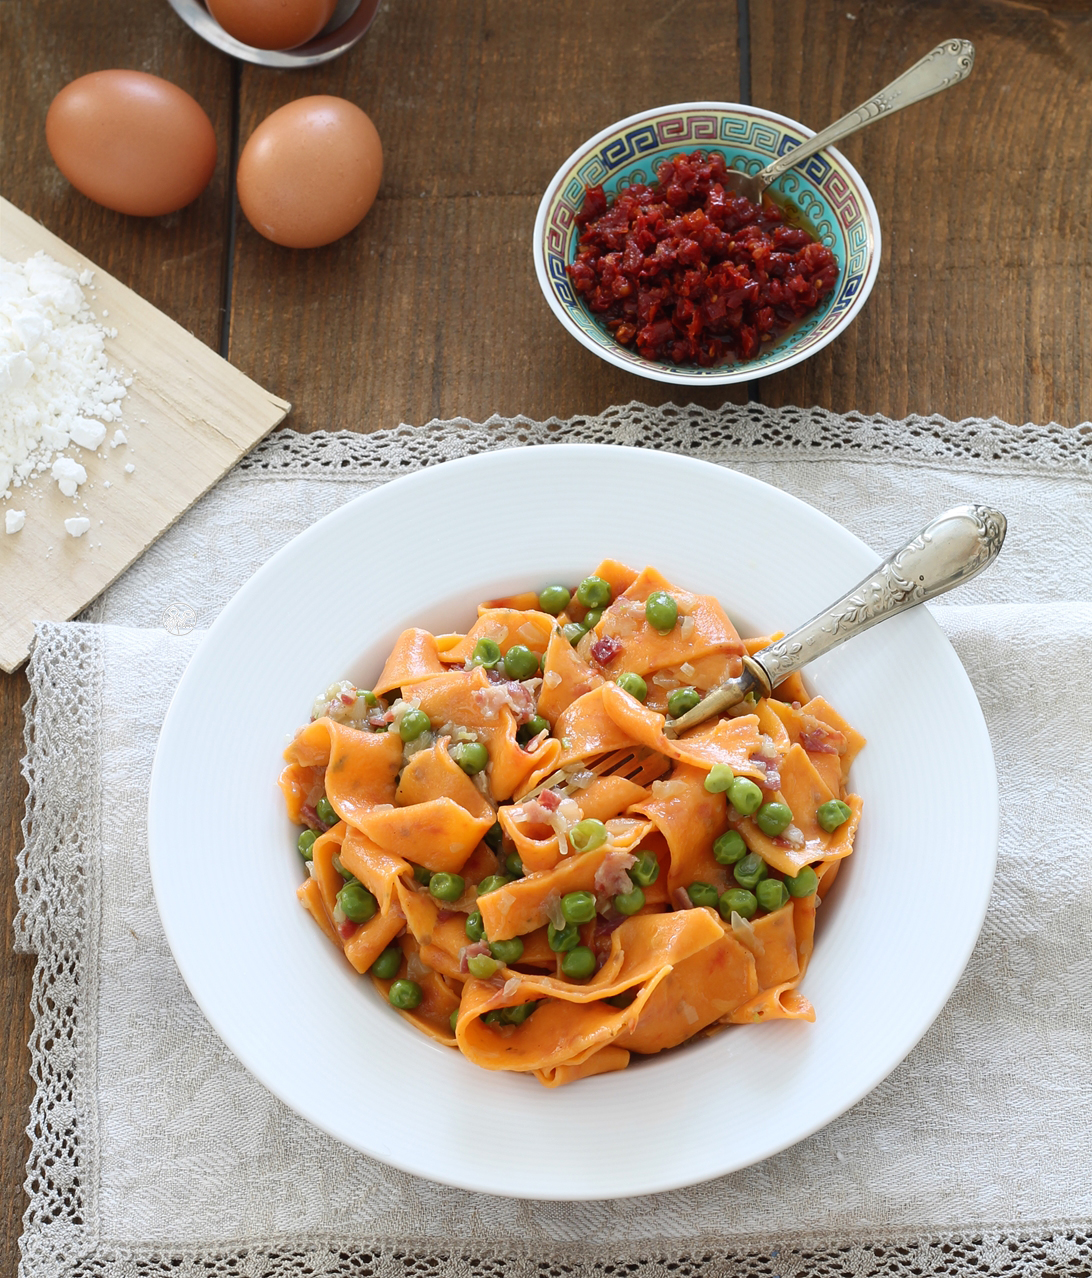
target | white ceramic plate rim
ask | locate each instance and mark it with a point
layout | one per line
(739, 373)
(239, 994)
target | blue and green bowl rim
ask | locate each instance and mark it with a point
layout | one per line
(825, 187)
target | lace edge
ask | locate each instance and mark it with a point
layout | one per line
(734, 432)
(1059, 1248)
(58, 863)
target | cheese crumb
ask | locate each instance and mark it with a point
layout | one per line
(129, 468)
(57, 387)
(119, 438)
(78, 526)
(14, 520)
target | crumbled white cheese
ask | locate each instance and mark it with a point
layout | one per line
(119, 438)
(78, 526)
(14, 520)
(57, 387)
(68, 474)
(129, 468)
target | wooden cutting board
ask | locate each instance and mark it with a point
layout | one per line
(188, 415)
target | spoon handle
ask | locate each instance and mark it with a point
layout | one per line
(947, 64)
(955, 547)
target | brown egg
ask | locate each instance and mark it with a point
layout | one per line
(272, 24)
(131, 141)
(310, 171)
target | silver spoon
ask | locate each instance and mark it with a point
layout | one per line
(946, 65)
(955, 547)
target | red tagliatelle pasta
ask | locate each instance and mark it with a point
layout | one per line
(531, 871)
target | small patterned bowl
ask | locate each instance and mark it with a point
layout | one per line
(826, 189)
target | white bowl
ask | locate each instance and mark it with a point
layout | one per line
(894, 935)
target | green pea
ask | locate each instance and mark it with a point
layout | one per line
(494, 836)
(729, 848)
(739, 901)
(587, 835)
(591, 619)
(517, 1015)
(804, 884)
(446, 887)
(483, 966)
(325, 812)
(495, 1017)
(578, 964)
(453, 1020)
(744, 796)
(405, 995)
(645, 870)
(594, 592)
(412, 724)
(388, 963)
(773, 818)
(471, 756)
(507, 952)
(573, 631)
(622, 1000)
(529, 730)
(513, 863)
(554, 599)
(305, 842)
(357, 903)
(772, 894)
(682, 700)
(367, 696)
(578, 907)
(422, 875)
(719, 779)
(520, 662)
(702, 894)
(833, 814)
(750, 871)
(630, 902)
(486, 653)
(491, 882)
(567, 938)
(661, 611)
(338, 865)
(634, 685)
(475, 928)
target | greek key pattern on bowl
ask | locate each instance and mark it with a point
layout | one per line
(820, 187)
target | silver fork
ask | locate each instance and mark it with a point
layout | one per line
(955, 547)
(946, 65)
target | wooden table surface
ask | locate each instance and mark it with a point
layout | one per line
(983, 305)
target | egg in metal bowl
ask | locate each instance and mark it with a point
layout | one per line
(825, 190)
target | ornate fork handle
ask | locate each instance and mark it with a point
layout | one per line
(947, 64)
(955, 547)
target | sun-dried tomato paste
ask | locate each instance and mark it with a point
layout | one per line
(687, 271)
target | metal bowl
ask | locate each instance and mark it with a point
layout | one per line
(826, 189)
(351, 19)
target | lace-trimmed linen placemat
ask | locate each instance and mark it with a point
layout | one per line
(154, 1152)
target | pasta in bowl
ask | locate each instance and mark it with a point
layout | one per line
(500, 833)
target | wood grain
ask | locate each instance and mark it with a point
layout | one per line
(188, 417)
(982, 305)
(177, 263)
(431, 307)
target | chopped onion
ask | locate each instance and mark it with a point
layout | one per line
(669, 790)
(665, 679)
(689, 1012)
(512, 986)
(552, 907)
(686, 627)
(551, 678)
(745, 935)
(415, 969)
(687, 670)
(582, 779)
(530, 632)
